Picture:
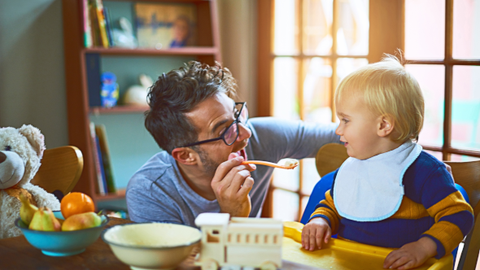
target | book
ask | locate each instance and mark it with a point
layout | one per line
(100, 174)
(104, 185)
(94, 29)
(101, 133)
(108, 25)
(87, 30)
(101, 23)
(94, 82)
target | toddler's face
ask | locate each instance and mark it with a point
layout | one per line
(358, 128)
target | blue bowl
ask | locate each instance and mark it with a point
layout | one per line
(61, 243)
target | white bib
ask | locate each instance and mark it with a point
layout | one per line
(372, 189)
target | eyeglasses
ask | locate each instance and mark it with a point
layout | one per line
(230, 135)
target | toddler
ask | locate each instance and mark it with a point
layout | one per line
(389, 192)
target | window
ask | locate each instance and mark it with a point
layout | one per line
(307, 46)
(315, 44)
(443, 51)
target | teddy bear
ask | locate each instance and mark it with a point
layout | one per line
(20, 153)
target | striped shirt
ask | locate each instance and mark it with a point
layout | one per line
(431, 207)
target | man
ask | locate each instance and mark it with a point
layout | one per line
(206, 136)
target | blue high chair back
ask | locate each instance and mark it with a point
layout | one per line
(466, 175)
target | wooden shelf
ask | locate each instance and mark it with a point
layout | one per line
(159, 52)
(119, 109)
(78, 109)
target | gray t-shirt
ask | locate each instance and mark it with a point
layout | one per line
(158, 193)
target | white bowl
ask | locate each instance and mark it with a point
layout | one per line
(151, 245)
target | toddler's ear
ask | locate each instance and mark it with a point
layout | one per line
(385, 126)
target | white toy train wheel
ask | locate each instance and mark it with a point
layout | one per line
(209, 264)
(268, 265)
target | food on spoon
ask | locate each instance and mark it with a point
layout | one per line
(44, 220)
(76, 203)
(289, 162)
(81, 221)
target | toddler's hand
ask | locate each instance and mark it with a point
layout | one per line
(411, 255)
(314, 233)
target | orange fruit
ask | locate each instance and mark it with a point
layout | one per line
(76, 203)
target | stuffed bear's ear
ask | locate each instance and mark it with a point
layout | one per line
(34, 137)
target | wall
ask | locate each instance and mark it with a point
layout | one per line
(32, 81)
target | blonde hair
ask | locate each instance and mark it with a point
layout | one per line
(388, 90)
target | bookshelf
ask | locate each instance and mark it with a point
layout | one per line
(125, 63)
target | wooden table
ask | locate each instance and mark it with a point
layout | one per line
(17, 253)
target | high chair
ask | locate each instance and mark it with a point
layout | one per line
(465, 174)
(60, 170)
(328, 158)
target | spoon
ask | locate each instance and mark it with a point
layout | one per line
(289, 163)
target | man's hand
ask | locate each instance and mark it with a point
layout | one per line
(314, 233)
(231, 184)
(411, 255)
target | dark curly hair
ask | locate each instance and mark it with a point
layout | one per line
(177, 93)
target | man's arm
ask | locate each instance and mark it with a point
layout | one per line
(274, 139)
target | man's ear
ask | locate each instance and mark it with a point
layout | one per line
(184, 155)
(386, 125)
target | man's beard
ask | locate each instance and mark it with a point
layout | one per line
(209, 165)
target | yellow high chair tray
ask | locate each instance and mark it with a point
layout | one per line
(343, 255)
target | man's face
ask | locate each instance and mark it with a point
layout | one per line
(211, 117)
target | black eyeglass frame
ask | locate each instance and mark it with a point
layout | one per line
(222, 137)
